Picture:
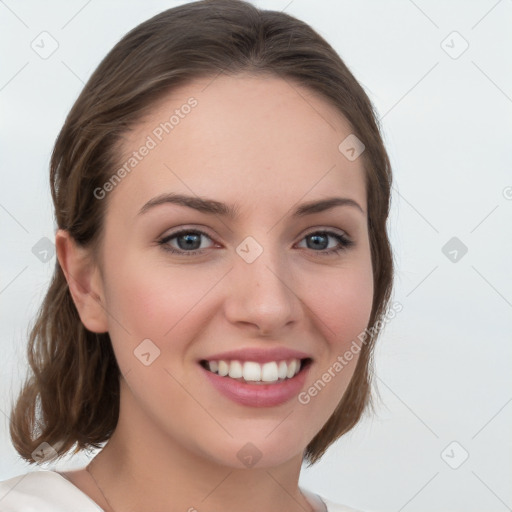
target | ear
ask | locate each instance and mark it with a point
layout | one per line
(84, 281)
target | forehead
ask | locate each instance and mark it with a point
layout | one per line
(254, 141)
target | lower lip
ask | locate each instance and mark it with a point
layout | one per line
(258, 395)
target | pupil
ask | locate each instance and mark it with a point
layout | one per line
(316, 238)
(189, 238)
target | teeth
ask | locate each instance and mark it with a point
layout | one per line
(291, 368)
(254, 372)
(251, 371)
(235, 370)
(223, 368)
(269, 372)
(282, 370)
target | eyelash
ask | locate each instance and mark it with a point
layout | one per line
(344, 242)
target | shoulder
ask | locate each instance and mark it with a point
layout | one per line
(44, 491)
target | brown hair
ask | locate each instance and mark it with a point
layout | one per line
(72, 395)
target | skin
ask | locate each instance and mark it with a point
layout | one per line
(266, 146)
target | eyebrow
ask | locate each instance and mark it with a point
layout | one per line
(212, 207)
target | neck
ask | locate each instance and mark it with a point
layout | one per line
(142, 468)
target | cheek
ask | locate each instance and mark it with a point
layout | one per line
(163, 304)
(342, 303)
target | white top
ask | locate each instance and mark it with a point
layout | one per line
(48, 491)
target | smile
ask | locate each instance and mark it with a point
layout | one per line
(254, 372)
(257, 392)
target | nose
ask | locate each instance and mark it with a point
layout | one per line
(262, 295)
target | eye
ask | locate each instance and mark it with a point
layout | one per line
(320, 240)
(189, 242)
(186, 239)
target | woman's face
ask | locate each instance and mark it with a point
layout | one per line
(262, 278)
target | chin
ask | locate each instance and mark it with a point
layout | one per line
(255, 452)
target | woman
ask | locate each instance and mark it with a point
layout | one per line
(221, 191)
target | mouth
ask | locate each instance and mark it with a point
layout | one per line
(252, 372)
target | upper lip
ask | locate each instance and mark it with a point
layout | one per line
(259, 355)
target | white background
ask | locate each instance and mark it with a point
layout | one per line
(441, 364)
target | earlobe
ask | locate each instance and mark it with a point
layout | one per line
(84, 281)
